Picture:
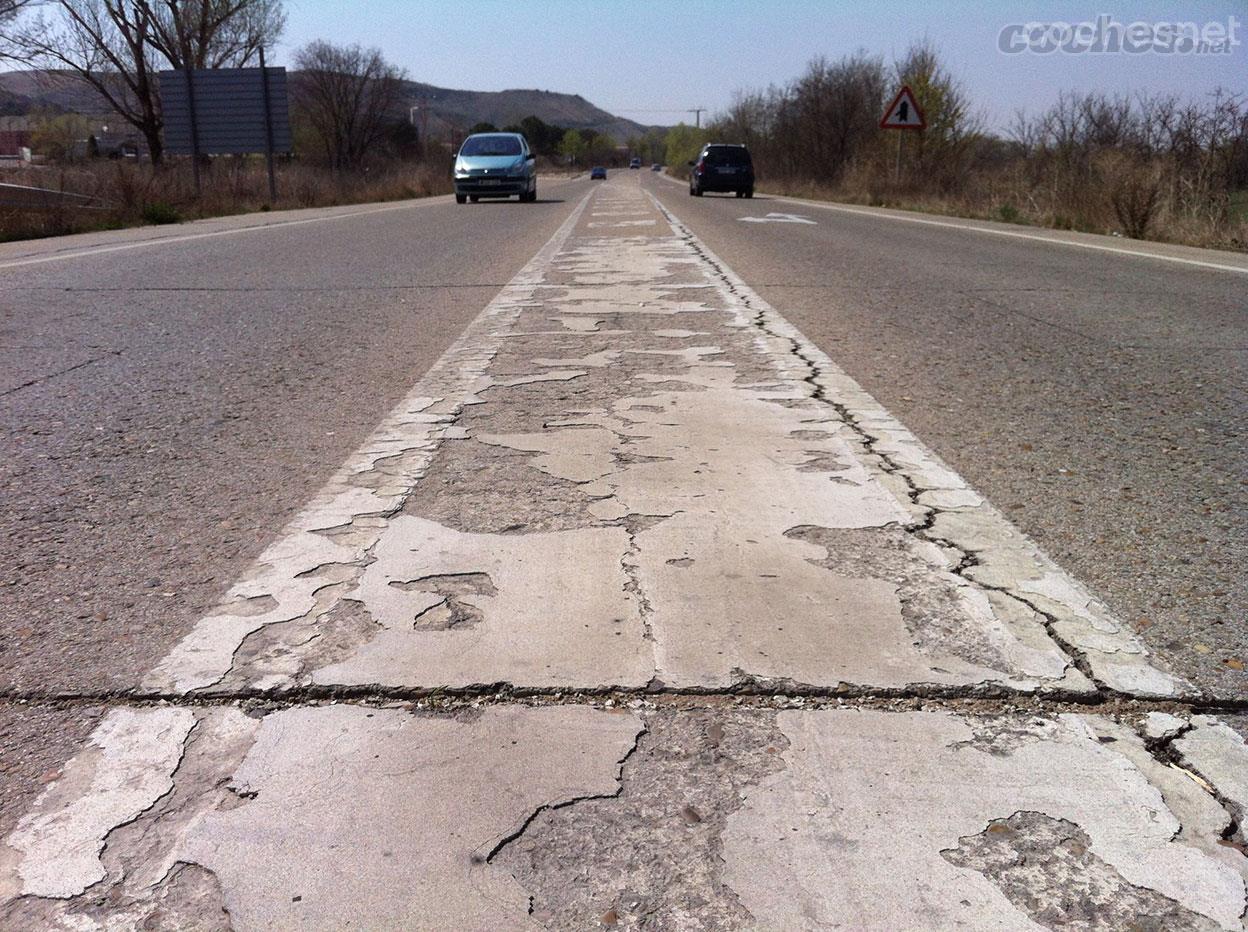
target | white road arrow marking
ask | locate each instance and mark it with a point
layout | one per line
(779, 218)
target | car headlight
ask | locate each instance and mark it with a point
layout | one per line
(461, 172)
(517, 166)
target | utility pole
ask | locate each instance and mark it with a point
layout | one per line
(697, 115)
(423, 107)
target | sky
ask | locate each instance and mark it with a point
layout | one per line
(654, 60)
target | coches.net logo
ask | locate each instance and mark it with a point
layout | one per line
(1109, 36)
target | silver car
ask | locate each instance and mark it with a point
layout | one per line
(495, 165)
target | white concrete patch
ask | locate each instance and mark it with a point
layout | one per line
(544, 610)
(127, 764)
(855, 831)
(555, 375)
(377, 819)
(593, 360)
(626, 223)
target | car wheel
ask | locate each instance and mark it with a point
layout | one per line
(461, 198)
(749, 192)
(740, 194)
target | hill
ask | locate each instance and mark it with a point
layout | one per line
(461, 109)
(449, 110)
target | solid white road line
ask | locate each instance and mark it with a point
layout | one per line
(1052, 240)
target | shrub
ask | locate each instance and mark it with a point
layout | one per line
(160, 212)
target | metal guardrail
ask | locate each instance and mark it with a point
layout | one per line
(25, 197)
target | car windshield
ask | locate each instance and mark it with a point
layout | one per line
(491, 145)
(727, 156)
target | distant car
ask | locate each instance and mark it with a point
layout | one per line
(495, 165)
(721, 167)
(656, 167)
(597, 173)
(634, 162)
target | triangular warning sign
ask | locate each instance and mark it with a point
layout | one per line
(903, 112)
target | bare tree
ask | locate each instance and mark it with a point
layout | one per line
(213, 33)
(347, 95)
(118, 46)
(8, 15)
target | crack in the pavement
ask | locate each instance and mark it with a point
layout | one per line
(745, 689)
(111, 354)
(564, 804)
(1162, 748)
(631, 566)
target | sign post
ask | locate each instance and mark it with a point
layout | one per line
(190, 107)
(903, 113)
(268, 129)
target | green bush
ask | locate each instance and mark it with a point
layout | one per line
(160, 212)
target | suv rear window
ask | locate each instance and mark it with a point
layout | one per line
(727, 155)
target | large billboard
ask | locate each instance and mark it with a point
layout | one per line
(225, 111)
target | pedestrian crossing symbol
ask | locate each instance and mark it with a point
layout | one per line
(903, 112)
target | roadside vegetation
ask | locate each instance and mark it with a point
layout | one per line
(1150, 167)
(133, 194)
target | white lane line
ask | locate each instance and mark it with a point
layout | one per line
(1051, 240)
(88, 251)
(1117, 250)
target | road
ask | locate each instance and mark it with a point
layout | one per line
(521, 549)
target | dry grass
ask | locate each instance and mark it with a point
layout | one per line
(130, 194)
(1118, 196)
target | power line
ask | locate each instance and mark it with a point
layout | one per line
(696, 111)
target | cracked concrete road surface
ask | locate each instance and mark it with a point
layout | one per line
(633, 611)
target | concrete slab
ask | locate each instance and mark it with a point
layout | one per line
(888, 821)
(455, 609)
(394, 817)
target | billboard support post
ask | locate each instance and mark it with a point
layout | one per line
(190, 103)
(268, 129)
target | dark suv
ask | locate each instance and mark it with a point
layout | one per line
(721, 167)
